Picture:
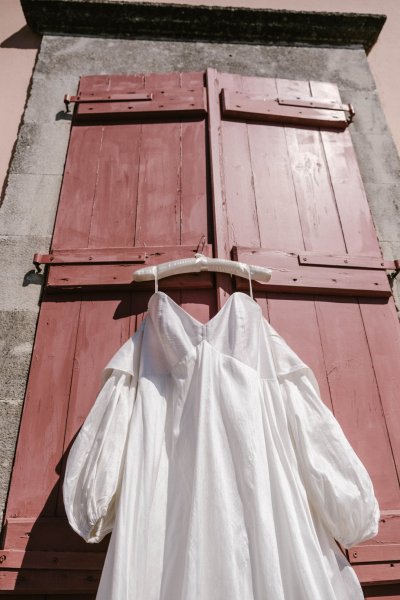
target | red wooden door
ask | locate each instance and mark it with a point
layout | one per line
(291, 198)
(155, 164)
(134, 193)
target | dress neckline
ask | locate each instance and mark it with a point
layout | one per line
(192, 319)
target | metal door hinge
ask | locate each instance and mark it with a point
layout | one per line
(324, 104)
(350, 261)
(358, 262)
(90, 256)
(331, 114)
(90, 98)
(395, 265)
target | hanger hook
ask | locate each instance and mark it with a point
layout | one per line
(201, 243)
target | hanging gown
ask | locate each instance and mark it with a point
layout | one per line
(213, 461)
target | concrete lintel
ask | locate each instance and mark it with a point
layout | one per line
(141, 20)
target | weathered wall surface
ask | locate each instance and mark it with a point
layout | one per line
(18, 49)
(29, 207)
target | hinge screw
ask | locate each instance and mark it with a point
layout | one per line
(2, 558)
(355, 554)
(392, 276)
(67, 100)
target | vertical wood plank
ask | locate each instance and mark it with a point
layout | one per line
(383, 335)
(201, 304)
(354, 212)
(138, 311)
(263, 86)
(261, 299)
(194, 217)
(115, 197)
(126, 84)
(99, 336)
(277, 210)
(78, 189)
(243, 228)
(95, 84)
(222, 249)
(355, 395)
(220, 218)
(159, 198)
(40, 442)
(317, 208)
(192, 80)
(295, 319)
(162, 81)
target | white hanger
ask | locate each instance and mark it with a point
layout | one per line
(200, 262)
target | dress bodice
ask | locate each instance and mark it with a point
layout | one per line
(233, 331)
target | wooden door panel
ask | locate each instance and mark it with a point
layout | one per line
(274, 189)
(329, 335)
(355, 393)
(158, 190)
(195, 214)
(243, 227)
(346, 367)
(355, 217)
(383, 334)
(144, 186)
(295, 318)
(114, 209)
(77, 192)
(99, 335)
(320, 224)
(138, 187)
(283, 189)
(35, 474)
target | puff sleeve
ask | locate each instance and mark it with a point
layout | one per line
(95, 461)
(337, 484)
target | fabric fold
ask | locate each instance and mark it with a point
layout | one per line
(220, 473)
(94, 464)
(337, 483)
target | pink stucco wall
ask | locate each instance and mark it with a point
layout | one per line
(18, 48)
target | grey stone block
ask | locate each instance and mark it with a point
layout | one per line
(30, 205)
(391, 251)
(384, 202)
(46, 100)
(9, 418)
(22, 289)
(41, 148)
(369, 118)
(16, 342)
(75, 56)
(344, 66)
(377, 156)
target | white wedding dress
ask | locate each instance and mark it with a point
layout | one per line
(220, 472)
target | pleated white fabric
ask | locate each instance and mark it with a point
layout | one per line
(220, 472)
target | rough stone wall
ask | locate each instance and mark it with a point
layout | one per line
(28, 211)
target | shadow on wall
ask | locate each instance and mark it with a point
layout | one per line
(24, 39)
